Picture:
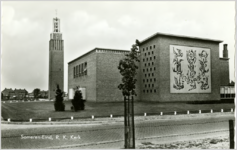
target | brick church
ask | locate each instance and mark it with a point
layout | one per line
(171, 68)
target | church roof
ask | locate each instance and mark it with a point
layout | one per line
(101, 50)
(179, 36)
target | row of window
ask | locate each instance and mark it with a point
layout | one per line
(154, 46)
(147, 59)
(144, 70)
(149, 53)
(147, 80)
(148, 64)
(80, 70)
(149, 91)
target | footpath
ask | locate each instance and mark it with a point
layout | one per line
(116, 120)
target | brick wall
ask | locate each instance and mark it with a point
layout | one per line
(224, 73)
(87, 81)
(56, 71)
(162, 72)
(108, 77)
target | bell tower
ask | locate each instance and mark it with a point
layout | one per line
(56, 59)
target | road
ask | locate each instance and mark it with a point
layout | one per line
(112, 135)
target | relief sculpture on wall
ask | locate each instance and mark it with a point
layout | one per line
(190, 70)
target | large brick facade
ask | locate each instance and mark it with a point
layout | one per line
(154, 81)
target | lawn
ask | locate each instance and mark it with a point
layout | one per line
(41, 111)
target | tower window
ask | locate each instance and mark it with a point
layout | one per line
(143, 59)
(147, 80)
(148, 53)
(154, 57)
(150, 47)
(146, 59)
(147, 70)
(143, 49)
(146, 48)
(154, 68)
(154, 46)
(152, 63)
(152, 52)
(145, 54)
(145, 85)
(150, 58)
(154, 79)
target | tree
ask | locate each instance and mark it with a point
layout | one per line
(128, 69)
(36, 93)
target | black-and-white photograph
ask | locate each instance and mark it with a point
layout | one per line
(118, 74)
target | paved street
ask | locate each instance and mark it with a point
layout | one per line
(112, 135)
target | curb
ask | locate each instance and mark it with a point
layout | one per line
(99, 121)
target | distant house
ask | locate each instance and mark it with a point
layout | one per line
(18, 94)
(6, 94)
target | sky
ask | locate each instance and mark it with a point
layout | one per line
(26, 28)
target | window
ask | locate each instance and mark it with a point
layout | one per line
(152, 74)
(145, 64)
(152, 52)
(152, 63)
(149, 85)
(151, 91)
(152, 85)
(145, 54)
(147, 80)
(79, 70)
(149, 74)
(150, 69)
(155, 90)
(147, 70)
(154, 46)
(143, 59)
(143, 80)
(145, 75)
(146, 59)
(143, 49)
(147, 91)
(147, 48)
(145, 85)
(150, 47)
(148, 53)
(148, 64)
(154, 79)
(144, 91)
(154, 57)
(143, 70)
(74, 72)
(150, 80)
(154, 68)
(85, 69)
(150, 58)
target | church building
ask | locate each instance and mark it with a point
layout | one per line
(56, 59)
(172, 68)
